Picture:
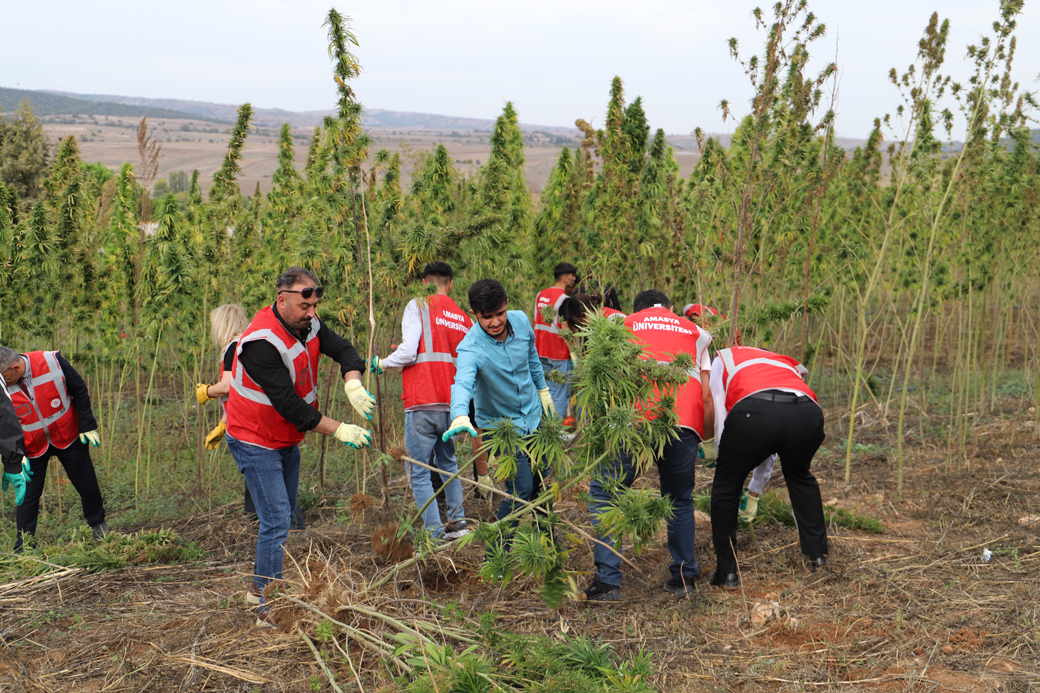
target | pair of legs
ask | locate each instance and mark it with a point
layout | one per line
(273, 478)
(560, 392)
(756, 429)
(422, 437)
(676, 470)
(80, 470)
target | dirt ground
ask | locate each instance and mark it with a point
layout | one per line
(916, 608)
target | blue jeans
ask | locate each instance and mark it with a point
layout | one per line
(676, 470)
(273, 477)
(422, 436)
(560, 392)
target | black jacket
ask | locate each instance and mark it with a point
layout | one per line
(12, 444)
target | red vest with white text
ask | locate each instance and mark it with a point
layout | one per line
(45, 412)
(547, 339)
(663, 334)
(747, 370)
(429, 379)
(251, 417)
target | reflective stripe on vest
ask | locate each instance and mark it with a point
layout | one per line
(779, 372)
(732, 368)
(429, 355)
(54, 375)
(288, 357)
(47, 392)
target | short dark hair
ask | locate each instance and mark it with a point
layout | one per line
(564, 268)
(577, 307)
(649, 298)
(438, 270)
(293, 276)
(610, 298)
(486, 296)
(8, 358)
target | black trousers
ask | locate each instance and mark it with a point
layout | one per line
(755, 429)
(80, 470)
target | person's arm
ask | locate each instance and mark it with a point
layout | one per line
(535, 363)
(411, 331)
(466, 366)
(704, 360)
(341, 351)
(718, 395)
(266, 368)
(223, 387)
(12, 442)
(80, 394)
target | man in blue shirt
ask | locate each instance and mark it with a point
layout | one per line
(499, 370)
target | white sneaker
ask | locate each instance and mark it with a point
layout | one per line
(455, 530)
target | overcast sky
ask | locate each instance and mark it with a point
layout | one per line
(553, 58)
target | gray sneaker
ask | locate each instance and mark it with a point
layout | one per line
(455, 530)
(100, 530)
(601, 592)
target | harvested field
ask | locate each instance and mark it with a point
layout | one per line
(916, 608)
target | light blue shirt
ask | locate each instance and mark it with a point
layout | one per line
(502, 378)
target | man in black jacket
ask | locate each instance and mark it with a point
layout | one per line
(53, 406)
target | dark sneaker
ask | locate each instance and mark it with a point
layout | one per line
(601, 592)
(818, 563)
(678, 585)
(728, 581)
(100, 530)
(455, 530)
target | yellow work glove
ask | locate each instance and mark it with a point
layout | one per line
(92, 437)
(710, 453)
(202, 393)
(215, 436)
(547, 403)
(748, 507)
(363, 402)
(354, 436)
(459, 425)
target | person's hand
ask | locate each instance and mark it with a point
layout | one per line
(354, 436)
(19, 480)
(709, 453)
(748, 507)
(92, 437)
(215, 436)
(202, 393)
(375, 367)
(362, 401)
(547, 403)
(459, 425)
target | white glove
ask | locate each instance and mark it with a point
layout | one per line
(363, 402)
(547, 403)
(461, 424)
(354, 436)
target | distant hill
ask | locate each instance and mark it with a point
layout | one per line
(53, 103)
(274, 117)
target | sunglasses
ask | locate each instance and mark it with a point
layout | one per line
(306, 293)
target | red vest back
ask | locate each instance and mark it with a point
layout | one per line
(429, 379)
(663, 334)
(616, 314)
(251, 417)
(747, 370)
(547, 339)
(696, 310)
(46, 412)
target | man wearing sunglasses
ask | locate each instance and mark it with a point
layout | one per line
(273, 402)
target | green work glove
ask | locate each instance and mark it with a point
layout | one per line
(18, 480)
(202, 393)
(215, 436)
(748, 507)
(92, 437)
(363, 402)
(376, 365)
(354, 436)
(547, 403)
(459, 425)
(486, 480)
(709, 453)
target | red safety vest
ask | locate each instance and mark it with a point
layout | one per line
(45, 412)
(610, 313)
(696, 310)
(663, 334)
(547, 339)
(233, 345)
(429, 379)
(747, 370)
(251, 417)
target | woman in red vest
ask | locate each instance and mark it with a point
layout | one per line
(53, 406)
(763, 407)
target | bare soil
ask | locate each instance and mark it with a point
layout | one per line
(916, 608)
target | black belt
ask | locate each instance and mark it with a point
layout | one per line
(776, 396)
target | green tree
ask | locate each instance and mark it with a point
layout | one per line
(23, 155)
